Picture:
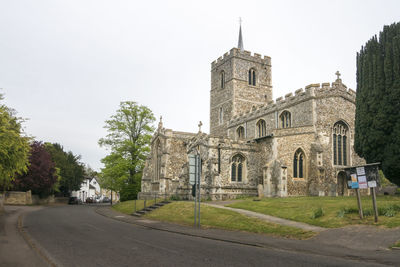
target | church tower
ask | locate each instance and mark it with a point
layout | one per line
(239, 81)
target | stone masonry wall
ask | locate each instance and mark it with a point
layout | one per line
(337, 104)
(173, 158)
(289, 140)
(300, 106)
(218, 185)
(237, 94)
(17, 198)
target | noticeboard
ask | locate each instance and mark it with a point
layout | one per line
(194, 169)
(362, 177)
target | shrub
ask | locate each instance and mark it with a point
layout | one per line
(174, 198)
(341, 213)
(368, 212)
(318, 213)
(242, 196)
(389, 211)
(348, 211)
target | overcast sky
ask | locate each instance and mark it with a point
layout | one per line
(66, 65)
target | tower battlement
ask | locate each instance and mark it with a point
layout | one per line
(247, 55)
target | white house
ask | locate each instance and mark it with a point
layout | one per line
(89, 188)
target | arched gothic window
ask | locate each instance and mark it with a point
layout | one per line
(299, 164)
(222, 78)
(157, 153)
(238, 168)
(340, 143)
(240, 132)
(252, 77)
(261, 128)
(285, 119)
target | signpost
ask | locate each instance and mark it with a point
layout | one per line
(363, 177)
(194, 181)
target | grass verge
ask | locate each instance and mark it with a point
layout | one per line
(331, 212)
(397, 245)
(128, 207)
(181, 212)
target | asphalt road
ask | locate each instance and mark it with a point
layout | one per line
(78, 236)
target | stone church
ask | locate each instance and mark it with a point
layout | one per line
(295, 145)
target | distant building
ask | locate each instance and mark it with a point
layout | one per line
(107, 193)
(89, 188)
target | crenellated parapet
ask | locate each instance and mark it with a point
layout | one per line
(247, 55)
(311, 91)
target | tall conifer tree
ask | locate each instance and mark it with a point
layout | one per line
(377, 133)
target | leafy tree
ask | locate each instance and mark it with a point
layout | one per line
(71, 170)
(128, 139)
(14, 147)
(41, 177)
(90, 172)
(377, 128)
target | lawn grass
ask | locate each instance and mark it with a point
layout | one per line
(397, 245)
(331, 212)
(181, 212)
(128, 207)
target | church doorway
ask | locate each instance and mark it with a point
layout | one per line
(341, 183)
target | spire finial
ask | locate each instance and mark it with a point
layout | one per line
(160, 124)
(240, 42)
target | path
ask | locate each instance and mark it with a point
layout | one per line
(270, 218)
(354, 236)
(14, 250)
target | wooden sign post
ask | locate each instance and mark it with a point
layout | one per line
(364, 177)
(360, 210)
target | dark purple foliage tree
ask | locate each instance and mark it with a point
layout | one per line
(41, 176)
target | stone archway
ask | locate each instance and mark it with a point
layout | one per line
(341, 183)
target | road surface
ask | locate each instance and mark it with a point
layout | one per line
(78, 236)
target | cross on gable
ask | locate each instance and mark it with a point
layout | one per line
(338, 74)
(200, 124)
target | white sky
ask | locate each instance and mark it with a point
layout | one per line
(66, 65)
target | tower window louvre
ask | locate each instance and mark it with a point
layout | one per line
(222, 77)
(252, 77)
